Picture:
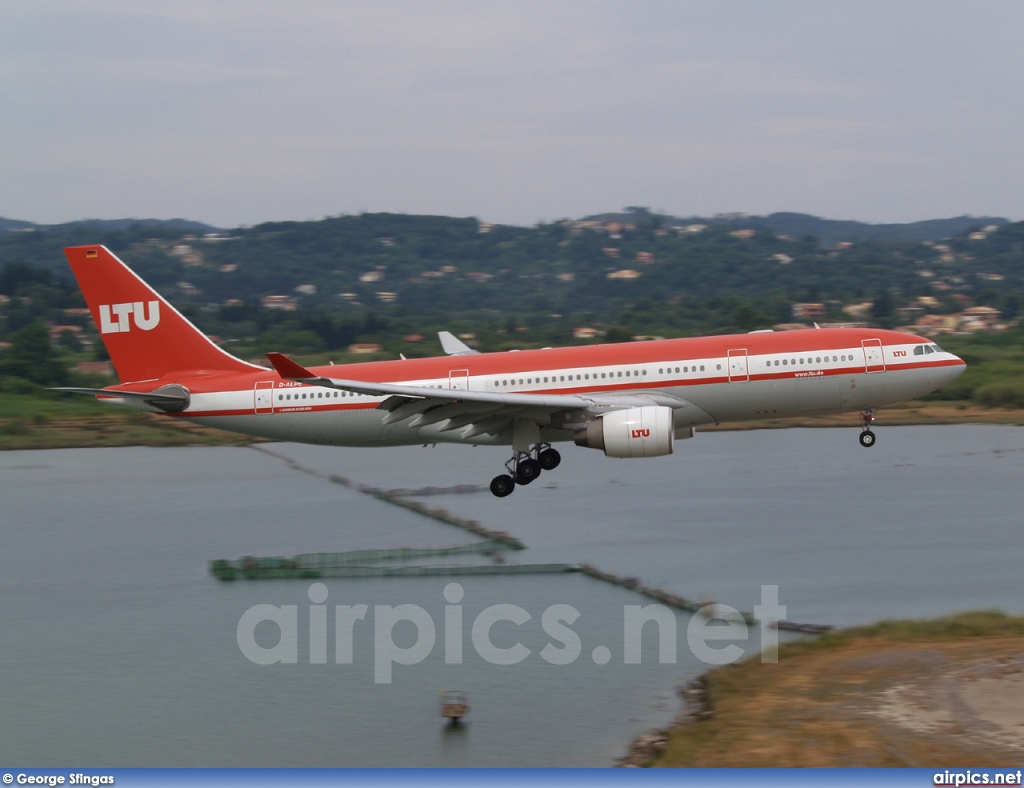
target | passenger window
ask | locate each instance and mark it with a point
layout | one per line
(644, 372)
(701, 367)
(785, 362)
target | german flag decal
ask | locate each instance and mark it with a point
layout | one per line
(91, 252)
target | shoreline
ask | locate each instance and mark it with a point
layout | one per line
(938, 693)
(138, 428)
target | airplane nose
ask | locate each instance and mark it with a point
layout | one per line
(954, 371)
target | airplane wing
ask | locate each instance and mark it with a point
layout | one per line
(475, 412)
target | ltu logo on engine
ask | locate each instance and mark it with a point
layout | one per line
(137, 309)
(644, 433)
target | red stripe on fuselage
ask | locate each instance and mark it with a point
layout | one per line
(676, 351)
(635, 386)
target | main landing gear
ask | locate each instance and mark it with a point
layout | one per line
(524, 467)
(867, 437)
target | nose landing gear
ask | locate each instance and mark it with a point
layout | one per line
(867, 437)
(524, 467)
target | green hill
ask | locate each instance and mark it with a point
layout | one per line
(382, 277)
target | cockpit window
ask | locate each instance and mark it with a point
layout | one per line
(935, 349)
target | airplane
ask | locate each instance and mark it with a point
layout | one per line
(633, 399)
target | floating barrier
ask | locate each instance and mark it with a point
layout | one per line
(706, 607)
(400, 497)
(366, 563)
(344, 564)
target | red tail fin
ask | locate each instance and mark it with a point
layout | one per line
(146, 337)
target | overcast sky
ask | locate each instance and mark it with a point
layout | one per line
(235, 113)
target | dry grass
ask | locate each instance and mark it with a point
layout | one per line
(894, 415)
(948, 693)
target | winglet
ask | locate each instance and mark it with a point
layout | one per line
(288, 369)
(454, 346)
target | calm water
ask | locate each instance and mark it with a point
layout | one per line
(927, 522)
(117, 647)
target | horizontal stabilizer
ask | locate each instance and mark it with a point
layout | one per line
(172, 398)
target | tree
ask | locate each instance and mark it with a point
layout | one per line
(746, 318)
(32, 358)
(882, 309)
(618, 334)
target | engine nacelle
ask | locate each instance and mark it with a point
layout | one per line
(634, 432)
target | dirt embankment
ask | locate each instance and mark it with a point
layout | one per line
(941, 694)
(892, 416)
(120, 428)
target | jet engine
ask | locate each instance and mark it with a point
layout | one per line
(632, 432)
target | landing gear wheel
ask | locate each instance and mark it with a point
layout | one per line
(502, 485)
(867, 439)
(527, 471)
(549, 459)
